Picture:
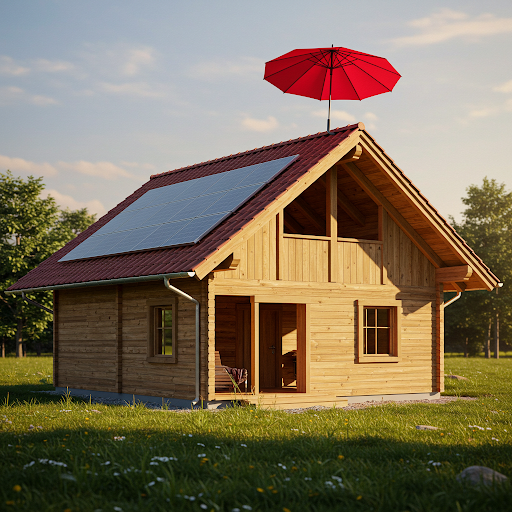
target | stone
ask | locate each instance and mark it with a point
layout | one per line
(426, 427)
(477, 475)
(457, 377)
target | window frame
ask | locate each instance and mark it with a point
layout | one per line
(395, 307)
(153, 305)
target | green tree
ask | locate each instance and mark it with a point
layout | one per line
(487, 228)
(31, 229)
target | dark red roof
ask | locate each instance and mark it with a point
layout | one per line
(311, 149)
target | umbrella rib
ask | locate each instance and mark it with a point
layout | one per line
(350, 82)
(288, 67)
(298, 78)
(372, 77)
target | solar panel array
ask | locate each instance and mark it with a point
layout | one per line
(178, 214)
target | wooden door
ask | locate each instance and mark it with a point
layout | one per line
(270, 346)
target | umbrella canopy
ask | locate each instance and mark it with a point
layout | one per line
(331, 73)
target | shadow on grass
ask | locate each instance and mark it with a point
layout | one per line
(30, 393)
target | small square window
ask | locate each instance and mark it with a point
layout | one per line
(162, 331)
(378, 331)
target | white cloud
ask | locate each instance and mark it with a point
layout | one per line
(137, 59)
(147, 167)
(371, 120)
(9, 67)
(65, 201)
(12, 94)
(52, 66)
(336, 115)
(220, 68)
(19, 165)
(260, 125)
(483, 112)
(506, 87)
(447, 24)
(119, 59)
(142, 89)
(105, 170)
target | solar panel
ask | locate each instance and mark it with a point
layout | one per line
(178, 214)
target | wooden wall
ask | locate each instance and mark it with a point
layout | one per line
(103, 340)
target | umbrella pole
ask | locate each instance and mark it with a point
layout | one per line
(330, 89)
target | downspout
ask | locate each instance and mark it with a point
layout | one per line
(40, 306)
(453, 299)
(191, 299)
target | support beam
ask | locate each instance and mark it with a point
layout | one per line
(331, 216)
(303, 349)
(119, 339)
(306, 210)
(379, 198)
(347, 206)
(454, 274)
(230, 263)
(255, 346)
(438, 367)
(354, 154)
(280, 256)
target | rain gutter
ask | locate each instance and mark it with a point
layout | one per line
(181, 293)
(453, 299)
(122, 280)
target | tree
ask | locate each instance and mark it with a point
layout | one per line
(487, 228)
(31, 229)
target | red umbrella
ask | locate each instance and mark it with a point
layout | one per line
(331, 73)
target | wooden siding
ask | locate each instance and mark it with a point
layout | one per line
(95, 352)
(333, 335)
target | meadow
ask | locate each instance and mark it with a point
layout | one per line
(64, 454)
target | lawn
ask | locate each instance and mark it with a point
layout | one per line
(62, 454)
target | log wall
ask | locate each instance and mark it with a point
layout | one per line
(103, 340)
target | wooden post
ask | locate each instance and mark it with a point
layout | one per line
(280, 258)
(55, 338)
(119, 339)
(331, 216)
(19, 338)
(439, 338)
(303, 349)
(255, 346)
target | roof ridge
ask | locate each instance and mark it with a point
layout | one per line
(250, 151)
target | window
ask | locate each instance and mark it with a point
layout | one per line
(378, 331)
(162, 342)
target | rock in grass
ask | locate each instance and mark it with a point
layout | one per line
(457, 377)
(476, 475)
(426, 427)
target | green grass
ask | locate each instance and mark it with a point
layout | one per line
(266, 460)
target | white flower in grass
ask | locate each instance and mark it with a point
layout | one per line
(307, 478)
(191, 498)
(235, 510)
(119, 438)
(218, 447)
(246, 507)
(151, 483)
(200, 444)
(337, 478)
(287, 479)
(201, 455)
(160, 479)
(107, 463)
(244, 445)
(203, 506)
(153, 464)
(118, 509)
(117, 474)
(29, 464)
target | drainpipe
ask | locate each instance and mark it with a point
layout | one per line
(453, 299)
(40, 306)
(191, 299)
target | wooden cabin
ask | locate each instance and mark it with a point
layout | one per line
(326, 285)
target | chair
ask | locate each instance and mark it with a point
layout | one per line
(226, 381)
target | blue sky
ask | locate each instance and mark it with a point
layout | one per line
(96, 96)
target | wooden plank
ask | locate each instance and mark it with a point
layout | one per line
(280, 250)
(255, 346)
(453, 274)
(379, 198)
(119, 339)
(56, 321)
(331, 215)
(303, 348)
